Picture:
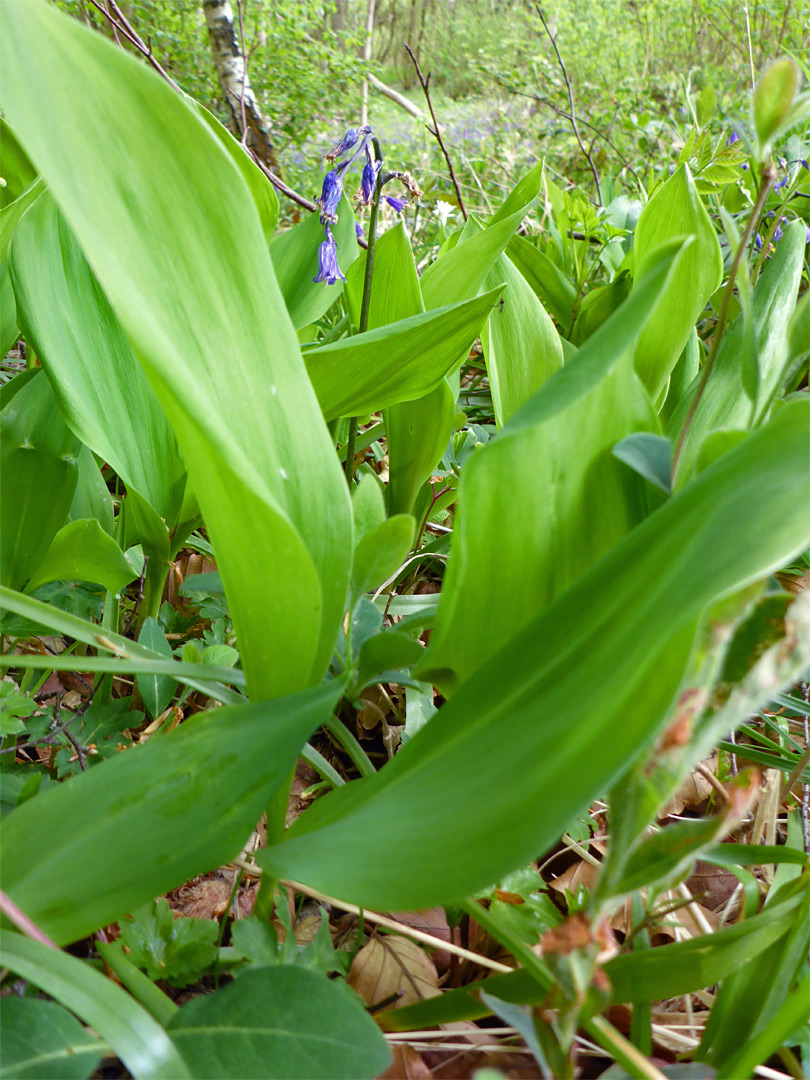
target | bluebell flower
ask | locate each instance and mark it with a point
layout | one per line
(758, 242)
(328, 269)
(807, 234)
(781, 183)
(368, 182)
(777, 233)
(733, 137)
(358, 228)
(397, 204)
(330, 196)
(348, 142)
(803, 161)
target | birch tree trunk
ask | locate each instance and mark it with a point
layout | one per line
(234, 82)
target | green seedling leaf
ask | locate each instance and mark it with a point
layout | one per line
(128, 1029)
(175, 949)
(13, 705)
(398, 362)
(380, 553)
(39, 1040)
(278, 1022)
(522, 533)
(181, 240)
(156, 690)
(39, 471)
(521, 1018)
(257, 941)
(605, 638)
(82, 551)
(723, 404)
(647, 454)
(295, 261)
(71, 859)
(366, 621)
(674, 211)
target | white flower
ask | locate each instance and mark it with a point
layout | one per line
(444, 211)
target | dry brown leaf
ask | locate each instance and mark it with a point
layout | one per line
(406, 1064)
(377, 709)
(430, 921)
(693, 791)
(390, 965)
(715, 883)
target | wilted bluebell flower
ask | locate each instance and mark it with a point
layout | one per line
(347, 143)
(328, 269)
(330, 195)
(397, 204)
(368, 182)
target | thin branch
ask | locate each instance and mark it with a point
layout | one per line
(434, 131)
(572, 117)
(122, 24)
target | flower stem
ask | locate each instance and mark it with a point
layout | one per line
(366, 302)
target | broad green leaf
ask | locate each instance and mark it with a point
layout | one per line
(39, 1040)
(461, 273)
(15, 168)
(705, 105)
(180, 254)
(674, 211)
(544, 500)
(262, 191)
(156, 690)
(276, 1023)
(521, 347)
(380, 552)
(83, 854)
(368, 507)
(522, 196)
(104, 395)
(771, 101)
(548, 282)
(401, 361)
(92, 498)
(39, 470)
(295, 261)
(649, 455)
(417, 433)
(723, 404)
(682, 377)
(82, 551)
(619, 638)
(598, 305)
(752, 995)
(670, 970)
(386, 652)
(646, 975)
(138, 1039)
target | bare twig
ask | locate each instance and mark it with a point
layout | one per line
(572, 117)
(22, 922)
(123, 25)
(434, 131)
(71, 738)
(138, 598)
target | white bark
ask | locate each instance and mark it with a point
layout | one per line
(233, 79)
(400, 99)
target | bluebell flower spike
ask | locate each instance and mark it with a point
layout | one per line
(328, 269)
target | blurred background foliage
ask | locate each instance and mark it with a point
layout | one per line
(636, 68)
